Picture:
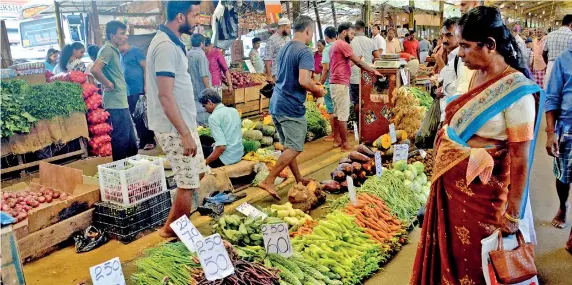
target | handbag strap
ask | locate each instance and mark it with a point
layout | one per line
(519, 239)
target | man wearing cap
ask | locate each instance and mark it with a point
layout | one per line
(273, 45)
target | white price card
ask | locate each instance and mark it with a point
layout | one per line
(277, 239)
(249, 210)
(356, 133)
(400, 152)
(378, 165)
(250, 66)
(351, 189)
(214, 258)
(404, 77)
(423, 153)
(107, 273)
(392, 133)
(187, 232)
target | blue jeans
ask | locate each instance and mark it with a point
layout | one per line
(123, 140)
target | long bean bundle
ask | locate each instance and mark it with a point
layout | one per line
(172, 262)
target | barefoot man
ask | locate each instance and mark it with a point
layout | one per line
(171, 106)
(559, 132)
(294, 79)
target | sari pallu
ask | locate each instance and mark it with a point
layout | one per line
(470, 185)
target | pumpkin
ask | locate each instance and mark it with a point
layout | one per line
(267, 120)
(401, 135)
(278, 146)
(385, 141)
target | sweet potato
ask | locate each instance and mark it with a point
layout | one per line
(344, 186)
(356, 166)
(338, 175)
(331, 186)
(356, 156)
(346, 168)
(363, 149)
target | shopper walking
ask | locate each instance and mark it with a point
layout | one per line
(107, 70)
(255, 56)
(411, 45)
(559, 133)
(455, 75)
(331, 34)
(217, 67)
(133, 64)
(171, 109)
(341, 53)
(200, 75)
(293, 81)
(318, 55)
(393, 44)
(51, 59)
(378, 40)
(273, 46)
(484, 154)
(557, 42)
(424, 48)
(538, 63)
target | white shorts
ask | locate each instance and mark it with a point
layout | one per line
(341, 99)
(187, 169)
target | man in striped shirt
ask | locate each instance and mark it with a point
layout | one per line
(556, 43)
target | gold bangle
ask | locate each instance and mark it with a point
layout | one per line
(510, 218)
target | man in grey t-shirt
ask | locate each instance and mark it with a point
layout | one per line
(364, 48)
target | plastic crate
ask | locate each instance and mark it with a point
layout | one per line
(127, 186)
(124, 223)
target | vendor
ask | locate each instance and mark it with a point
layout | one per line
(225, 126)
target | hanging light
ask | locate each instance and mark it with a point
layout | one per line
(543, 12)
(529, 13)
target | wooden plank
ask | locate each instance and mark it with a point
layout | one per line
(252, 93)
(50, 214)
(36, 163)
(60, 177)
(41, 242)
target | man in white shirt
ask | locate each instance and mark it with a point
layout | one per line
(378, 40)
(455, 74)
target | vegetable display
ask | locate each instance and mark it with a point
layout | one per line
(293, 217)
(242, 80)
(241, 230)
(169, 262)
(408, 113)
(18, 204)
(13, 118)
(424, 97)
(47, 101)
(317, 125)
(414, 177)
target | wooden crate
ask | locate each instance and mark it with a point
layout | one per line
(252, 106)
(234, 97)
(12, 272)
(252, 93)
(264, 103)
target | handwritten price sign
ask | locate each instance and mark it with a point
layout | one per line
(107, 273)
(249, 210)
(186, 232)
(214, 258)
(400, 152)
(277, 239)
(378, 165)
(392, 133)
(351, 189)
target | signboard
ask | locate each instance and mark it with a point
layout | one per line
(277, 239)
(107, 273)
(273, 11)
(400, 152)
(249, 210)
(187, 232)
(351, 190)
(378, 165)
(392, 133)
(214, 258)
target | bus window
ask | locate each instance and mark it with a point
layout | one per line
(39, 32)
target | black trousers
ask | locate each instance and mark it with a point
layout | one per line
(145, 135)
(123, 140)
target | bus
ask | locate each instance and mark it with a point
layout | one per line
(39, 35)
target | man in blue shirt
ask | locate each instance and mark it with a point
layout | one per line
(559, 132)
(225, 126)
(295, 64)
(133, 65)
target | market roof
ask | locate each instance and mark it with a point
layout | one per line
(79, 6)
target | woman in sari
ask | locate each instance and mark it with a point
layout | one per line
(483, 156)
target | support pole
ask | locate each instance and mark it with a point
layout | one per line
(288, 15)
(367, 13)
(96, 29)
(5, 47)
(332, 4)
(411, 15)
(318, 20)
(295, 10)
(441, 13)
(60, 31)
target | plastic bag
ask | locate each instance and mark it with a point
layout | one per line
(90, 239)
(426, 135)
(140, 112)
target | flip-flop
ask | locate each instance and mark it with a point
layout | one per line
(149, 147)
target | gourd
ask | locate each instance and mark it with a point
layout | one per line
(250, 145)
(252, 135)
(268, 130)
(266, 141)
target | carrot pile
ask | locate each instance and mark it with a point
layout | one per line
(375, 217)
(304, 229)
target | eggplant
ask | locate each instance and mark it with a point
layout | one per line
(357, 167)
(346, 168)
(338, 175)
(356, 156)
(345, 160)
(363, 149)
(331, 186)
(344, 186)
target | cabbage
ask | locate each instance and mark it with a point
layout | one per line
(421, 178)
(426, 190)
(408, 183)
(417, 187)
(412, 169)
(421, 197)
(398, 174)
(409, 175)
(400, 165)
(248, 124)
(419, 166)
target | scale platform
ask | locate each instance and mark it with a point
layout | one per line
(387, 64)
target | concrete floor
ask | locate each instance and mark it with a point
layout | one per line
(553, 262)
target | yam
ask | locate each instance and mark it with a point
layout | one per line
(356, 156)
(363, 149)
(346, 168)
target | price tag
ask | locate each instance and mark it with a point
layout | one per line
(186, 231)
(107, 273)
(378, 165)
(392, 133)
(277, 239)
(400, 152)
(249, 210)
(422, 153)
(250, 66)
(351, 189)
(214, 258)
(404, 77)
(356, 134)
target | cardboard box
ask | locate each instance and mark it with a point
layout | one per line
(83, 192)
